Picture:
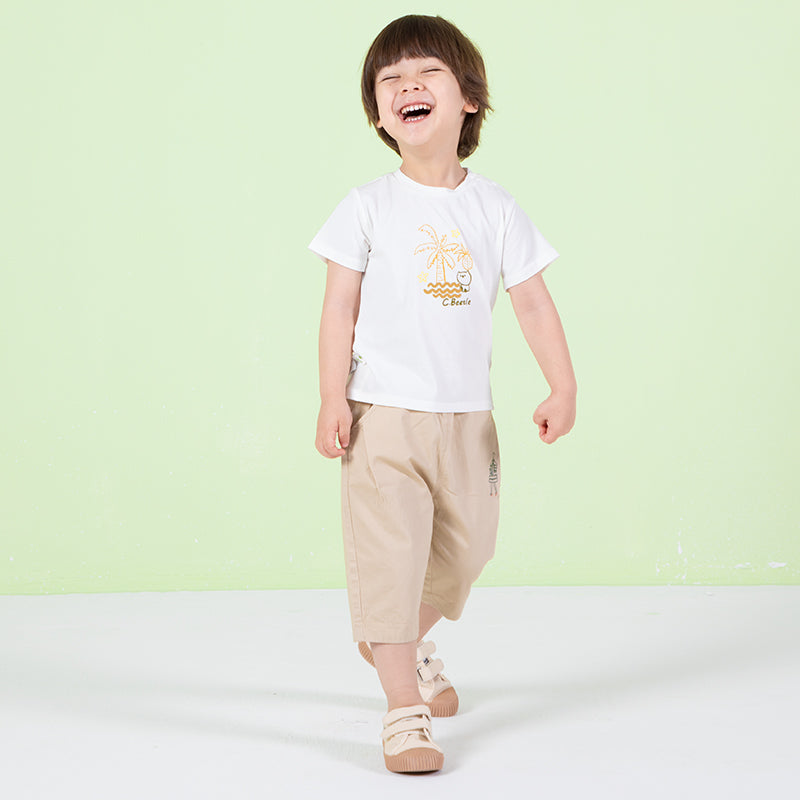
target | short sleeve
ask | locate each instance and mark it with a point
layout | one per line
(525, 250)
(345, 236)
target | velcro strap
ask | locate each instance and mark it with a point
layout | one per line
(393, 716)
(430, 670)
(406, 725)
(425, 650)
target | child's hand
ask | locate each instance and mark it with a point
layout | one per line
(555, 416)
(333, 418)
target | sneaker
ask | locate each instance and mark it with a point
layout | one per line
(434, 687)
(407, 742)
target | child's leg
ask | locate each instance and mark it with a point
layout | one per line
(397, 663)
(397, 670)
(428, 617)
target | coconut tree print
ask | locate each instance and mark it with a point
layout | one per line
(441, 252)
(464, 258)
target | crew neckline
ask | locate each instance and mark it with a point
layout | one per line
(403, 178)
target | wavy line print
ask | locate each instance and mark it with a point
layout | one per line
(451, 290)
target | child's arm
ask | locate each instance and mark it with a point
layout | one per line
(336, 329)
(541, 326)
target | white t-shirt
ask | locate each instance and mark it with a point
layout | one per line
(432, 259)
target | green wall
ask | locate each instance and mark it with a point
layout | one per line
(164, 166)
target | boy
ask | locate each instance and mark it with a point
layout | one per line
(414, 262)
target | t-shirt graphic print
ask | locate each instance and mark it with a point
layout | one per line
(445, 260)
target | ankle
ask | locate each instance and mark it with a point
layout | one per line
(403, 699)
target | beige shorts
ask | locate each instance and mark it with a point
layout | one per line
(419, 511)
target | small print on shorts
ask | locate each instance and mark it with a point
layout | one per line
(494, 477)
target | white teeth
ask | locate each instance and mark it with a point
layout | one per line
(406, 110)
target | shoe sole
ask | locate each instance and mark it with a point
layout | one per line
(418, 759)
(444, 704)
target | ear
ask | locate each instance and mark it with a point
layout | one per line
(470, 107)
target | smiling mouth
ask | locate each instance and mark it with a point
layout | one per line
(415, 112)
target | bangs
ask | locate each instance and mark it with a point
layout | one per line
(414, 37)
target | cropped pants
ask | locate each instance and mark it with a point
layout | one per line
(420, 494)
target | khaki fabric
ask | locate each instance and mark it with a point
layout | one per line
(420, 494)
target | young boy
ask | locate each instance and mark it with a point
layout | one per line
(414, 262)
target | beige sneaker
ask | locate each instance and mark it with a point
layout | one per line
(407, 742)
(434, 687)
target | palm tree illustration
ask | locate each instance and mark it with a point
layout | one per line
(440, 252)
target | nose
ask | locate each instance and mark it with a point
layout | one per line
(412, 85)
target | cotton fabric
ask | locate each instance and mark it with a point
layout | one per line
(432, 259)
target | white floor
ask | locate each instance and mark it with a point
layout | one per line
(565, 693)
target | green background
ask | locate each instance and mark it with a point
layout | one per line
(165, 165)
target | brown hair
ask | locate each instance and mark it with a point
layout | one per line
(416, 36)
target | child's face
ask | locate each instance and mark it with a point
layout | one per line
(420, 105)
